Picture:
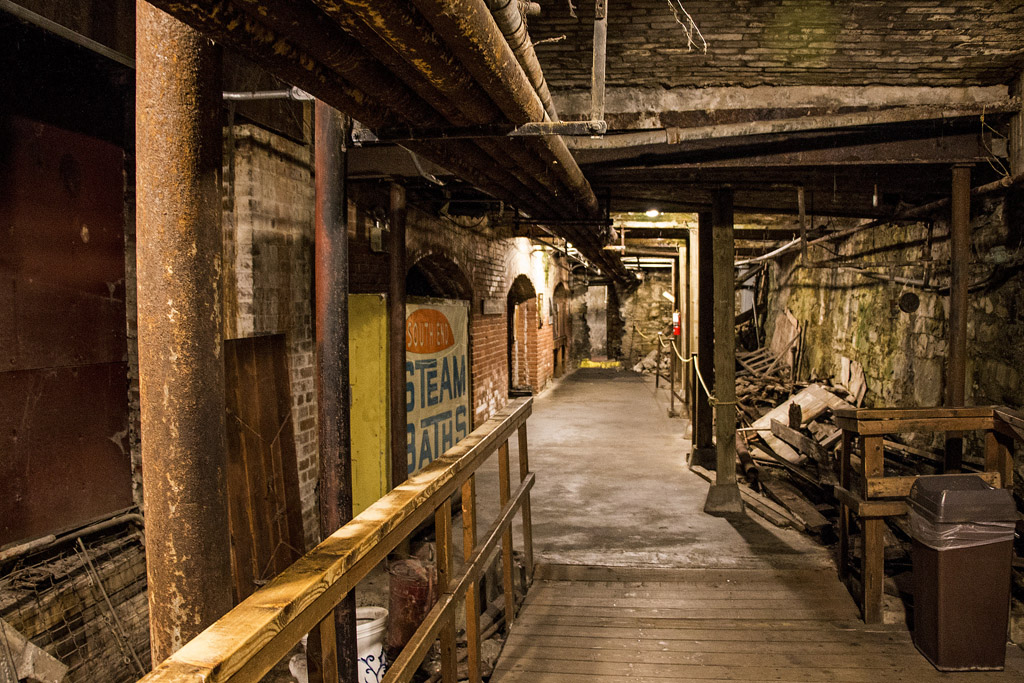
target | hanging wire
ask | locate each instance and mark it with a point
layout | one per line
(690, 29)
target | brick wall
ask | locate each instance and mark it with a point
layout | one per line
(268, 255)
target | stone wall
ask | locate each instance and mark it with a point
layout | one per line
(645, 312)
(903, 353)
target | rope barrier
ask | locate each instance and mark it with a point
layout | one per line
(696, 368)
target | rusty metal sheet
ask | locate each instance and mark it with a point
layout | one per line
(61, 248)
(63, 375)
(63, 448)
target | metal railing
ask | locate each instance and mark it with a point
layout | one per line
(248, 641)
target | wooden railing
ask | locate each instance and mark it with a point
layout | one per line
(878, 496)
(252, 638)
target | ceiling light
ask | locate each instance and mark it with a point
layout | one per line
(652, 213)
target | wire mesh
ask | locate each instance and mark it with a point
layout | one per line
(85, 604)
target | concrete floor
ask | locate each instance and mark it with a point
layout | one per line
(613, 488)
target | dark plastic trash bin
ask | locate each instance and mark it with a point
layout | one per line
(963, 544)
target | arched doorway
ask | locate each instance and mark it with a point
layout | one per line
(562, 332)
(523, 320)
(437, 276)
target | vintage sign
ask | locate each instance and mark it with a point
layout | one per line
(437, 378)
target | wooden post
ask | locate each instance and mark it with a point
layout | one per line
(999, 456)
(956, 347)
(181, 366)
(724, 495)
(1017, 129)
(673, 361)
(872, 573)
(472, 593)
(844, 510)
(332, 375)
(443, 537)
(396, 335)
(683, 306)
(507, 575)
(703, 441)
(524, 470)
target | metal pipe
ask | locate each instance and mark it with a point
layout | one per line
(332, 362)
(396, 334)
(181, 367)
(65, 33)
(293, 93)
(472, 35)
(956, 355)
(50, 540)
(510, 20)
(600, 53)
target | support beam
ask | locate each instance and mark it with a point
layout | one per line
(956, 347)
(1017, 128)
(396, 334)
(724, 495)
(683, 306)
(703, 441)
(333, 404)
(181, 371)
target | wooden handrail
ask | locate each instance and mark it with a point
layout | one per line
(252, 638)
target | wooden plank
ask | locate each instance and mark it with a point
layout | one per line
(777, 627)
(751, 642)
(572, 572)
(869, 508)
(710, 612)
(813, 401)
(695, 602)
(926, 425)
(805, 445)
(790, 498)
(875, 414)
(762, 674)
(328, 649)
(899, 487)
(253, 637)
(739, 668)
(519, 651)
(764, 507)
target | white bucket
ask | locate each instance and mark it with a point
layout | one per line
(371, 622)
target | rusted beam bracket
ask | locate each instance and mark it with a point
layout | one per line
(597, 76)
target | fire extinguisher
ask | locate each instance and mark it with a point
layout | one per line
(675, 324)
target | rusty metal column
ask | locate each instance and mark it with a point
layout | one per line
(703, 441)
(724, 495)
(181, 372)
(673, 360)
(683, 306)
(333, 404)
(956, 345)
(396, 335)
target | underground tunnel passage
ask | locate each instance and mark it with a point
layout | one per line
(513, 341)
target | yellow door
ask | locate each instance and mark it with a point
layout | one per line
(368, 375)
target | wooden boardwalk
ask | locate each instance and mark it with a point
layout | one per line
(599, 624)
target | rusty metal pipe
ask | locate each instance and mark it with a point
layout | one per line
(181, 368)
(472, 35)
(408, 46)
(510, 20)
(397, 268)
(332, 379)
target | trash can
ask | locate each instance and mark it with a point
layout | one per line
(962, 531)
